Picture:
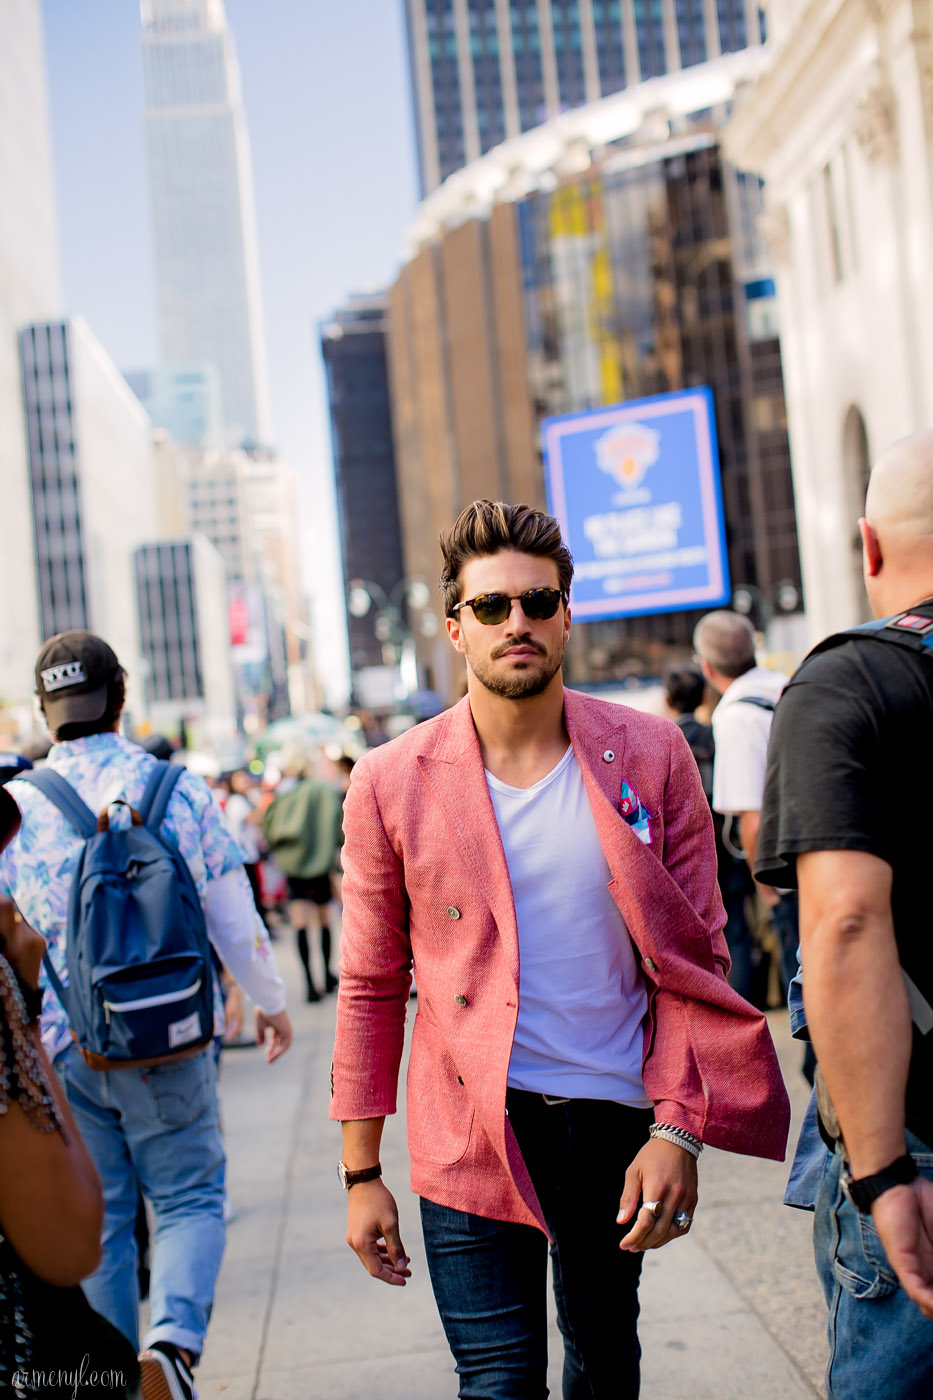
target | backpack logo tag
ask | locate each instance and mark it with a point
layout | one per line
(913, 622)
(58, 677)
(183, 1032)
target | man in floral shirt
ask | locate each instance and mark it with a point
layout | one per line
(155, 1129)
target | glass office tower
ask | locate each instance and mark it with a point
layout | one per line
(486, 70)
(207, 262)
(353, 345)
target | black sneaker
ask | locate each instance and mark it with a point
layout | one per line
(164, 1374)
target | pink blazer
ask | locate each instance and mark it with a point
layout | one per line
(426, 880)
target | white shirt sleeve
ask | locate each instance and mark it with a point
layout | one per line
(237, 932)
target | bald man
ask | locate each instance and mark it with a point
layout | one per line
(848, 819)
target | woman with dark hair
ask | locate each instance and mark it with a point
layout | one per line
(51, 1205)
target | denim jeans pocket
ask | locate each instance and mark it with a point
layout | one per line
(860, 1263)
(182, 1090)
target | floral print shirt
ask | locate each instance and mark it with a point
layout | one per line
(37, 868)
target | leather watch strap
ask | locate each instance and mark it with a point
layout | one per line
(350, 1178)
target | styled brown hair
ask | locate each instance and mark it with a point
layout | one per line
(489, 527)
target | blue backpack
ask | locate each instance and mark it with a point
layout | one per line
(140, 985)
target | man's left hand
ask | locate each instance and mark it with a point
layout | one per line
(661, 1172)
(903, 1217)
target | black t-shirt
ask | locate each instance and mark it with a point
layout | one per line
(850, 767)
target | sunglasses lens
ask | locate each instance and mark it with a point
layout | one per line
(492, 608)
(540, 603)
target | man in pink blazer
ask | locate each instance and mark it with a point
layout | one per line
(546, 863)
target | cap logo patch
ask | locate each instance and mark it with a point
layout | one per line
(58, 677)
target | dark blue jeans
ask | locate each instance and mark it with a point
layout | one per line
(490, 1276)
(784, 915)
(733, 886)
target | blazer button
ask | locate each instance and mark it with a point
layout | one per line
(460, 999)
(608, 756)
(651, 965)
(454, 913)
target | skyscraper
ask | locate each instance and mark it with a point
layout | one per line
(29, 291)
(92, 487)
(207, 264)
(486, 70)
(353, 344)
(538, 286)
(181, 592)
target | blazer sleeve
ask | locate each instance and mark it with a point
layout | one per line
(375, 965)
(690, 845)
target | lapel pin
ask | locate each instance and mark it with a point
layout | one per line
(608, 756)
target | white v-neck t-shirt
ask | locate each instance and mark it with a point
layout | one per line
(582, 1001)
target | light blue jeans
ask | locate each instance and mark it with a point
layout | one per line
(156, 1129)
(880, 1344)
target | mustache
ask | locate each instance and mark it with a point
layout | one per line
(511, 642)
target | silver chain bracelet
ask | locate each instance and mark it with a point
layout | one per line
(679, 1136)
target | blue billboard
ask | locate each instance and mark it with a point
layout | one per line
(636, 489)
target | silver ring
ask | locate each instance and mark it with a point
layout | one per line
(655, 1207)
(682, 1220)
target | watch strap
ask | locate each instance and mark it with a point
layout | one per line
(863, 1192)
(350, 1178)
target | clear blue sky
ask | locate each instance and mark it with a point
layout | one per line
(327, 106)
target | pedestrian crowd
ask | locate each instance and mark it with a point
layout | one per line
(597, 904)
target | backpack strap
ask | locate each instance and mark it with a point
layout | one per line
(159, 788)
(63, 796)
(758, 701)
(60, 990)
(912, 629)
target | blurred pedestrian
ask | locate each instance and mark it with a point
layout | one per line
(302, 828)
(725, 646)
(685, 687)
(846, 820)
(245, 822)
(544, 861)
(51, 1203)
(154, 1126)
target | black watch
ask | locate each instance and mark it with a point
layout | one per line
(348, 1178)
(868, 1188)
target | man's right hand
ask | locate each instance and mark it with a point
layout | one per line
(903, 1218)
(372, 1232)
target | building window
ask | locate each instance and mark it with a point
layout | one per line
(526, 43)
(649, 26)
(610, 45)
(691, 32)
(732, 27)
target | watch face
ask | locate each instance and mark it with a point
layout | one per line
(342, 1175)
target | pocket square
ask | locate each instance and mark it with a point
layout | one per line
(632, 812)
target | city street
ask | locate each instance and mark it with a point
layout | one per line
(732, 1313)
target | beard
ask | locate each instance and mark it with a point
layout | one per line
(530, 679)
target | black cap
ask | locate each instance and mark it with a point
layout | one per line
(11, 765)
(9, 819)
(72, 673)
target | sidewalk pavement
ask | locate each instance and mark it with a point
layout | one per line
(733, 1312)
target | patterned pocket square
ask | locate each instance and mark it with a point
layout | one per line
(635, 814)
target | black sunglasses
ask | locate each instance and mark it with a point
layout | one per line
(538, 604)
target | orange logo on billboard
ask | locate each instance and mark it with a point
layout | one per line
(626, 452)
